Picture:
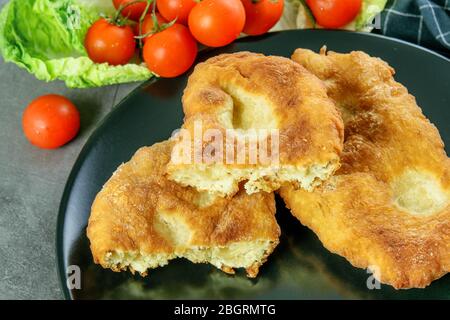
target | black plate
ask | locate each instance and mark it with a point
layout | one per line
(300, 268)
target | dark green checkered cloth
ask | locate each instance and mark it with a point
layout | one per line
(425, 22)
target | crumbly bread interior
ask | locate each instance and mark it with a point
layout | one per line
(246, 254)
(224, 180)
(140, 220)
(258, 106)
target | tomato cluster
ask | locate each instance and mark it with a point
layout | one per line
(168, 30)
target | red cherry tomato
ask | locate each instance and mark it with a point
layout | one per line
(107, 42)
(133, 11)
(261, 15)
(334, 14)
(170, 52)
(176, 9)
(148, 25)
(216, 23)
(50, 121)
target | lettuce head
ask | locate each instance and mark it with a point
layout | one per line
(46, 37)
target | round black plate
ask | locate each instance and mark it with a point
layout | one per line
(300, 268)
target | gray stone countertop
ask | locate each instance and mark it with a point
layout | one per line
(32, 181)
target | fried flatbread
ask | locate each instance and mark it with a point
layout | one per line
(140, 220)
(388, 207)
(265, 104)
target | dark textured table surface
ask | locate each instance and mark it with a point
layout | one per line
(32, 181)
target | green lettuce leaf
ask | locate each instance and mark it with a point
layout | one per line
(46, 38)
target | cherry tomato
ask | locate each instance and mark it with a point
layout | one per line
(50, 121)
(261, 15)
(216, 23)
(133, 11)
(170, 52)
(107, 42)
(148, 25)
(176, 9)
(334, 14)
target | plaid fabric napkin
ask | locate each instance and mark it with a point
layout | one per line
(425, 22)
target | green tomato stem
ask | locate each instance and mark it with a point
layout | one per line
(116, 19)
(142, 18)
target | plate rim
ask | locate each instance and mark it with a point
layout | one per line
(68, 186)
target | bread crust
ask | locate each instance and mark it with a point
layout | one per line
(388, 207)
(126, 215)
(293, 101)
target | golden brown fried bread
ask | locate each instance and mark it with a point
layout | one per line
(140, 220)
(247, 98)
(388, 206)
